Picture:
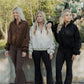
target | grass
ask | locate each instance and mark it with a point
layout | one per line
(2, 44)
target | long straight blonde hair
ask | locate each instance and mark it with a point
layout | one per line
(20, 13)
(61, 19)
(44, 21)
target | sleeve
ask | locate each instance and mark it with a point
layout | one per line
(7, 47)
(26, 39)
(77, 45)
(54, 30)
(78, 17)
(30, 42)
(53, 27)
(52, 43)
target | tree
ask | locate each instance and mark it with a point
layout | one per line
(29, 7)
(76, 7)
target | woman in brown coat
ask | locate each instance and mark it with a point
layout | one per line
(17, 43)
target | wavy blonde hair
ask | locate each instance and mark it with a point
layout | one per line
(61, 19)
(20, 13)
(44, 22)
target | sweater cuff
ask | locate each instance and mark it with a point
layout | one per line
(51, 54)
(76, 52)
(25, 49)
(7, 47)
(30, 53)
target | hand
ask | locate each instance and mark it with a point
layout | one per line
(6, 53)
(73, 57)
(49, 25)
(30, 56)
(51, 56)
(23, 54)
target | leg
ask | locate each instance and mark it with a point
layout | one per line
(68, 79)
(37, 59)
(47, 62)
(20, 76)
(59, 63)
(13, 54)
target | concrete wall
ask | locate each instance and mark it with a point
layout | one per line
(7, 72)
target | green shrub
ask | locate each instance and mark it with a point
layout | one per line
(82, 33)
(2, 44)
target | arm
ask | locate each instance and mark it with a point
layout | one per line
(50, 25)
(78, 17)
(77, 45)
(26, 39)
(52, 43)
(7, 47)
(54, 29)
(30, 42)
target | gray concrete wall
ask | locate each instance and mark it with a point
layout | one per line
(7, 72)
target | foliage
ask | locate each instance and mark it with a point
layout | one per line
(77, 9)
(29, 7)
(2, 44)
(52, 8)
(82, 33)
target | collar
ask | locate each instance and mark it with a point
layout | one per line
(68, 24)
(19, 22)
(39, 28)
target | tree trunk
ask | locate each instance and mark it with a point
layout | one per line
(6, 34)
(31, 12)
(37, 5)
(2, 31)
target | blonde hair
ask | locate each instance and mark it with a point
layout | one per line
(61, 19)
(44, 21)
(20, 13)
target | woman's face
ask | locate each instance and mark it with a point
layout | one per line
(67, 17)
(15, 14)
(39, 18)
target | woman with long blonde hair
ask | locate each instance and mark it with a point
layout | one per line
(41, 46)
(17, 43)
(68, 38)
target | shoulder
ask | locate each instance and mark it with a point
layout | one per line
(56, 25)
(12, 22)
(74, 26)
(53, 25)
(54, 28)
(31, 28)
